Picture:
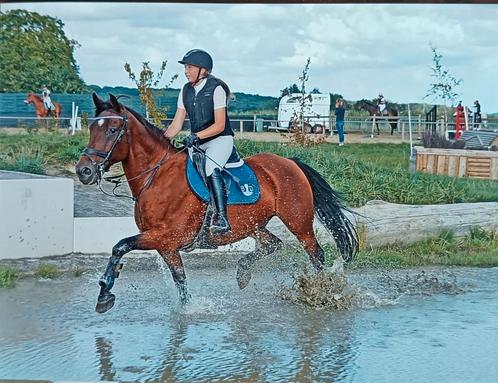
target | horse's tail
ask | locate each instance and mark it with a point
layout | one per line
(329, 209)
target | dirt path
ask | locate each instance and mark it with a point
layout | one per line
(353, 138)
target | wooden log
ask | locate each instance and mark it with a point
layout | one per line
(452, 165)
(494, 169)
(381, 223)
(440, 164)
(430, 163)
(462, 169)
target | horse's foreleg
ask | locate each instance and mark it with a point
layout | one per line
(175, 265)
(266, 243)
(106, 299)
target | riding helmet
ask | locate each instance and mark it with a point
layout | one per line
(198, 57)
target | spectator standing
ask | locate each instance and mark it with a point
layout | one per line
(459, 120)
(339, 119)
(477, 114)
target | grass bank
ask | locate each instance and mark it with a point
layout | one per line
(362, 172)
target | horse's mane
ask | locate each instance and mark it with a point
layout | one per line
(368, 102)
(153, 129)
(37, 96)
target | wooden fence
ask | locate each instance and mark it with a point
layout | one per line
(457, 162)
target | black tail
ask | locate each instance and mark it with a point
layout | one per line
(329, 209)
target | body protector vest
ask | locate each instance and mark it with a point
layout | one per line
(200, 108)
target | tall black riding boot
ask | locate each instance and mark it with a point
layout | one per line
(219, 222)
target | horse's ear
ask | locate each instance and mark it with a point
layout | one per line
(99, 103)
(115, 103)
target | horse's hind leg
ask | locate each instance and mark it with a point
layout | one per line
(266, 243)
(175, 265)
(302, 228)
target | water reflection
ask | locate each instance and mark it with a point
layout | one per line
(313, 348)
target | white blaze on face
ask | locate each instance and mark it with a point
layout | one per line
(101, 122)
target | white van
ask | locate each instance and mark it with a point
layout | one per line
(316, 110)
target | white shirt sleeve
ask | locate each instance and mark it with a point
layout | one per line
(219, 98)
(179, 103)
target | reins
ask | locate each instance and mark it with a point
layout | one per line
(116, 180)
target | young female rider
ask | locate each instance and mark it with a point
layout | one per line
(204, 99)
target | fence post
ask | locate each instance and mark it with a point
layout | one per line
(373, 127)
(241, 126)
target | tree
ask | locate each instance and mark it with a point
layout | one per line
(289, 90)
(299, 125)
(444, 83)
(145, 84)
(34, 51)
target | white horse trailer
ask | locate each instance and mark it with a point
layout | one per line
(316, 110)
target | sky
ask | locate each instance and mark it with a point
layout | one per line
(357, 50)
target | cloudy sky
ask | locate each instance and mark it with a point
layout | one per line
(357, 50)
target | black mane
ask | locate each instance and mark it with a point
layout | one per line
(159, 133)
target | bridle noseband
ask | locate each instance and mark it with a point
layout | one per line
(88, 152)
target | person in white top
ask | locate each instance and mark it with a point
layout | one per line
(204, 99)
(47, 102)
(381, 104)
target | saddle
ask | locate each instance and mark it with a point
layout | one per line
(241, 184)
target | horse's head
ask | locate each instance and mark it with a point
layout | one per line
(106, 145)
(361, 104)
(30, 98)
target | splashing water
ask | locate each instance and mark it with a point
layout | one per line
(330, 289)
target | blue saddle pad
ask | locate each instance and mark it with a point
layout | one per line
(236, 196)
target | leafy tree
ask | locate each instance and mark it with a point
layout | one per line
(289, 90)
(34, 51)
(444, 84)
(145, 84)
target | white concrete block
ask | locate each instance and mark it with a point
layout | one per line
(100, 234)
(36, 215)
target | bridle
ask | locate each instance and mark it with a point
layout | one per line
(102, 165)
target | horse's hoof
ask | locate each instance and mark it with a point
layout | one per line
(105, 303)
(243, 277)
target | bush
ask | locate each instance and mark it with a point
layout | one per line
(434, 140)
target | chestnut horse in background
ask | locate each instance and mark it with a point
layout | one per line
(169, 215)
(40, 109)
(373, 110)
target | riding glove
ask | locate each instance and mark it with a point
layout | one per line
(191, 140)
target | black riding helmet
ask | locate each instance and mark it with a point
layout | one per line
(199, 58)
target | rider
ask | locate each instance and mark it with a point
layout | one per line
(47, 102)
(204, 99)
(381, 104)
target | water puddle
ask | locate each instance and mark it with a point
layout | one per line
(285, 326)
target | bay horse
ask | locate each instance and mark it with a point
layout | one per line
(169, 215)
(40, 109)
(373, 110)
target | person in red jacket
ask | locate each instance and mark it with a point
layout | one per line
(459, 120)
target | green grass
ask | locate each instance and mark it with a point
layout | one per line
(365, 172)
(8, 277)
(362, 172)
(478, 248)
(47, 271)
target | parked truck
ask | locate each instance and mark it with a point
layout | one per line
(316, 111)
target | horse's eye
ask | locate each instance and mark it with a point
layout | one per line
(113, 130)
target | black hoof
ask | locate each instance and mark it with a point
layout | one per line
(105, 303)
(243, 277)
